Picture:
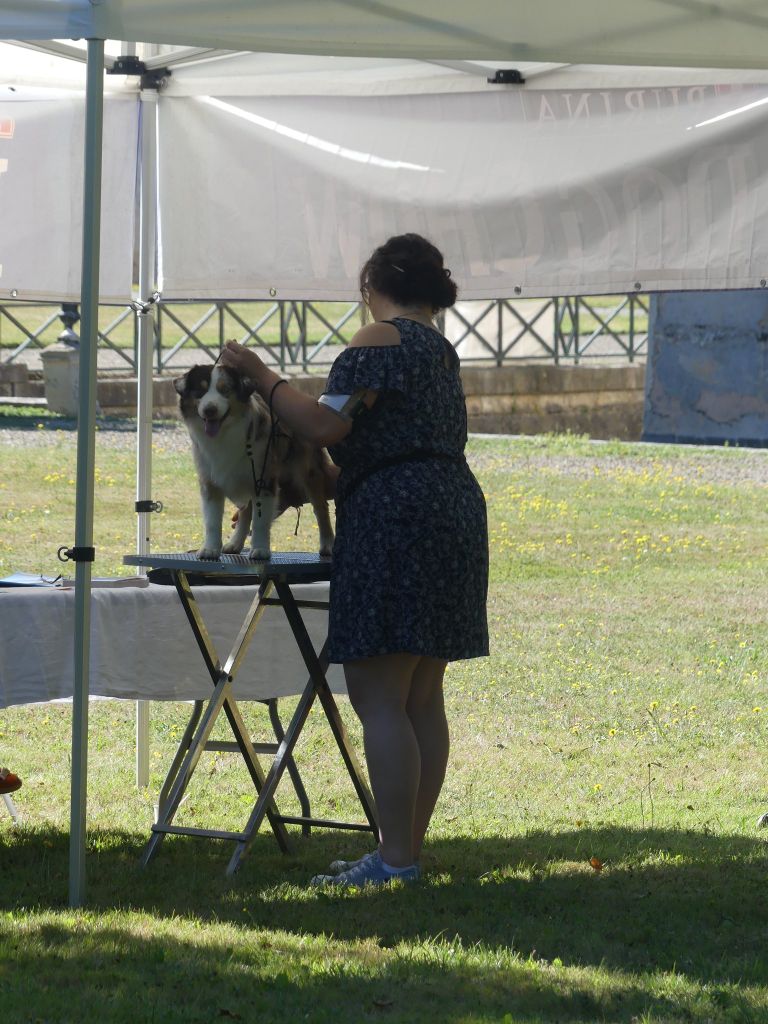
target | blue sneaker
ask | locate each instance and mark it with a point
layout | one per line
(369, 871)
(337, 866)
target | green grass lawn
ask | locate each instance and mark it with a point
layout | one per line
(594, 856)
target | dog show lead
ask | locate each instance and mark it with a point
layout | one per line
(409, 573)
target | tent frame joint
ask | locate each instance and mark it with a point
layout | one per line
(151, 78)
(507, 76)
(148, 505)
(76, 554)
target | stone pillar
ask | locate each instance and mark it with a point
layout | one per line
(61, 365)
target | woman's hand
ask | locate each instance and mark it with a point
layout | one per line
(242, 359)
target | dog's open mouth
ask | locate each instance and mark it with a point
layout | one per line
(213, 426)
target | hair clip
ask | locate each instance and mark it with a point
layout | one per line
(398, 269)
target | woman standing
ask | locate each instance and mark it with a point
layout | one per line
(410, 562)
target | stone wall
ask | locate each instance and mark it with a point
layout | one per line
(15, 382)
(603, 402)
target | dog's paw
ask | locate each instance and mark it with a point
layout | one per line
(259, 554)
(208, 554)
(230, 548)
(326, 550)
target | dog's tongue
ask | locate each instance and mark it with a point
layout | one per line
(212, 427)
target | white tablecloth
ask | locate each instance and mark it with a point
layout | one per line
(142, 646)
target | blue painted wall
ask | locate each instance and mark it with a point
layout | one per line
(707, 372)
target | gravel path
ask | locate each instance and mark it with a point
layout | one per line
(692, 463)
(526, 455)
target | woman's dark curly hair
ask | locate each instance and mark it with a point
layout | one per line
(409, 270)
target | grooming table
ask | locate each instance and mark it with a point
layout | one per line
(274, 588)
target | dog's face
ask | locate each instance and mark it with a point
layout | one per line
(211, 393)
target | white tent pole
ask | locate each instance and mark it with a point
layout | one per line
(147, 234)
(86, 432)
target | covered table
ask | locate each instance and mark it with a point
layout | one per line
(141, 645)
(274, 628)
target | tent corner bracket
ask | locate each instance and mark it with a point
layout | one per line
(507, 76)
(76, 554)
(151, 78)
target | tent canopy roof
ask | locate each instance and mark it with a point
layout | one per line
(682, 33)
(225, 73)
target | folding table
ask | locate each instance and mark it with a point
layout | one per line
(274, 578)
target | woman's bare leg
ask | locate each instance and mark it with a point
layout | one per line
(426, 709)
(379, 689)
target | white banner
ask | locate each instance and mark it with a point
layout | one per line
(528, 192)
(41, 197)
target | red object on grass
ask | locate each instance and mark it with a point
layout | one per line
(9, 782)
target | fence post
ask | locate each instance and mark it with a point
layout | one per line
(283, 335)
(576, 331)
(159, 336)
(499, 332)
(301, 319)
(631, 352)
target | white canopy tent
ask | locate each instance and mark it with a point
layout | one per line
(681, 33)
(729, 34)
(582, 180)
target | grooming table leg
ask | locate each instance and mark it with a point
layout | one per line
(293, 768)
(317, 669)
(178, 757)
(167, 811)
(273, 776)
(222, 699)
(231, 666)
(317, 686)
(256, 772)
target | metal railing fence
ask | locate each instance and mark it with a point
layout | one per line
(301, 336)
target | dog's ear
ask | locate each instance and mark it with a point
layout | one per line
(196, 377)
(245, 388)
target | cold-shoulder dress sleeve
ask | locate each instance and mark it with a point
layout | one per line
(378, 368)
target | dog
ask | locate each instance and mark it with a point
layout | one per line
(239, 456)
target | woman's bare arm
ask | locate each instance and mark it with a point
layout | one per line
(301, 413)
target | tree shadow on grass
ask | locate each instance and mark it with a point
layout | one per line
(665, 900)
(116, 975)
(33, 420)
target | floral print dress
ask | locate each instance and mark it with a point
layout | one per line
(410, 561)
